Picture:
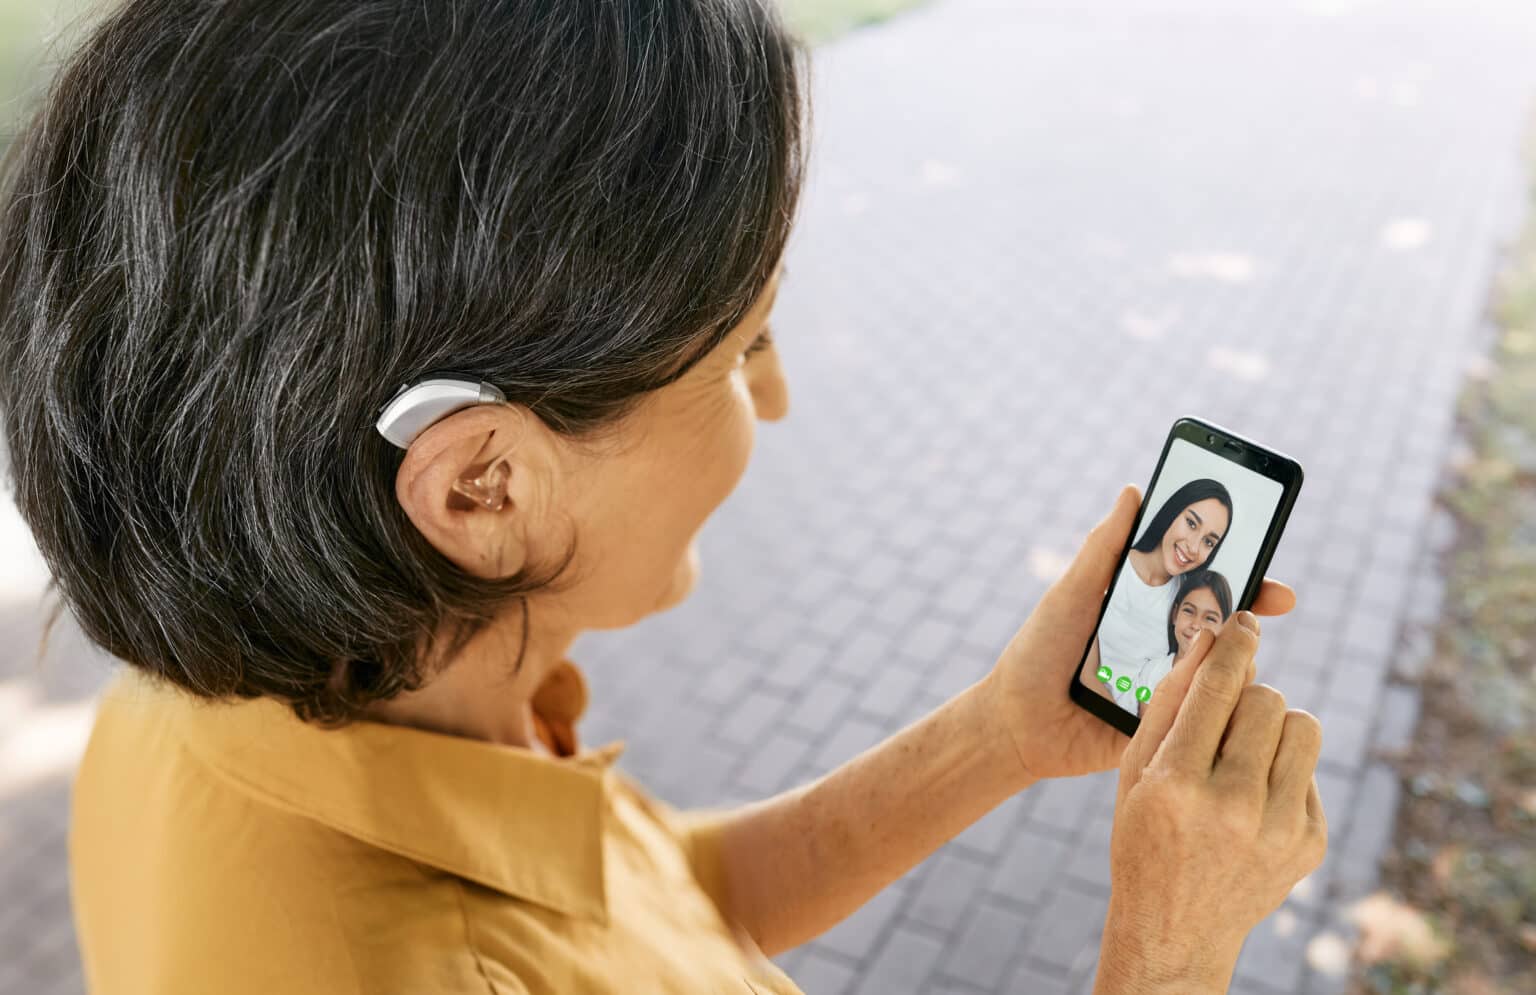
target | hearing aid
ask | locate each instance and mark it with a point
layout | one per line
(417, 405)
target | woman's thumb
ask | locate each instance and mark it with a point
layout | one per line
(1094, 565)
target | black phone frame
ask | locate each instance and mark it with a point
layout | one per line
(1245, 453)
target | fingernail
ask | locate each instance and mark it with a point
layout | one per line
(1249, 621)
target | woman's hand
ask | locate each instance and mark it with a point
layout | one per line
(1217, 817)
(1054, 736)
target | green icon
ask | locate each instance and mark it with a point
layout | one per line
(1143, 693)
(1123, 683)
(1105, 674)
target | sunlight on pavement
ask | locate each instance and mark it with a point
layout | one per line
(939, 174)
(1226, 267)
(1047, 564)
(1250, 366)
(1147, 327)
(1406, 234)
(1285, 922)
(1328, 954)
(38, 741)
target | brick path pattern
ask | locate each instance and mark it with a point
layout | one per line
(1036, 234)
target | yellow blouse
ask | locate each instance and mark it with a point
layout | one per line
(230, 848)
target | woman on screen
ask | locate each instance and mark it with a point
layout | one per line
(1204, 602)
(1184, 535)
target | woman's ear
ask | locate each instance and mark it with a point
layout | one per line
(469, 484)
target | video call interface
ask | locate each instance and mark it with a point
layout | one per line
(1201, 531)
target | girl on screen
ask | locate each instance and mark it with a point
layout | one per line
(1204, 602)
(1184, 535)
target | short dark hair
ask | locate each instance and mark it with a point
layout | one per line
(1190, 493)
(235, 227)
(1196, 580)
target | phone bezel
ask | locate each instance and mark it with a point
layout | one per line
(1247, 454)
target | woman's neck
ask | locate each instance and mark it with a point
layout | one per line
(1149, 567)
(477, 696)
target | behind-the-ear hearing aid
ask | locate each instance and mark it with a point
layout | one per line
(417, 405)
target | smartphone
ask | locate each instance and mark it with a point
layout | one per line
(1204, 536)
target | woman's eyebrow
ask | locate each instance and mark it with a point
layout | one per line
(1198, 519)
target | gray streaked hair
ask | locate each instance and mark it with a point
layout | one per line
(235, 227)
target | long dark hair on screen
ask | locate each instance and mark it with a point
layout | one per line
(1194, 581)
(1195, 490)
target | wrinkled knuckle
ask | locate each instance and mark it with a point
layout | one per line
(1225, 674)
(1179, 790)
(1265, 699)
(1240, 821)
(1305, 727)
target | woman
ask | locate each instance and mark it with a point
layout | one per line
(1184, 535)
(343, 756)
(1204, 602)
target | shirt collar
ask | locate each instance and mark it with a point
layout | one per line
(522, 822)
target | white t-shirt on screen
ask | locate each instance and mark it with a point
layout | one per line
(1135, 627)
(1148, 675)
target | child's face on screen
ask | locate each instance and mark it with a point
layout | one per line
(1193, 536)
(1196, 610)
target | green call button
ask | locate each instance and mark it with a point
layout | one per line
(1143, 693)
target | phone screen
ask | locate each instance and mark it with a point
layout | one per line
(1198, 542)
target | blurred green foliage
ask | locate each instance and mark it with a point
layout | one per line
(1474, 810)
(821, 20)
(30, 33)
(34, 35)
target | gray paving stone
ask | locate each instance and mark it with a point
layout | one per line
(1415, 654)
(854, 938)
(1089, 866)
(1274, 956)
(1336, 790)
(948, 889)
(1029, 979)
(1370, 833)
(929, 639)
(990, 835)
(770, 768)
(1029, 862)
(1397, 719)
(821, 705)
(822, 973)
(1064, 925)
(864, 654)
(983, 950)
(749, 721)
(851, 737)
(1346, 731)
(795, 665)
(902, 963)
(899, 608)
(838, 615)
(1063, 804)
(890, 691)
(1355, 687)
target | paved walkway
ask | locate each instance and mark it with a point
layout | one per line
(1037, 233)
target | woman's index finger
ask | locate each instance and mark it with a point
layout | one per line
(1213, 695)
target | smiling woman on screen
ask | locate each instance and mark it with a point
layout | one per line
(1184, 535)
